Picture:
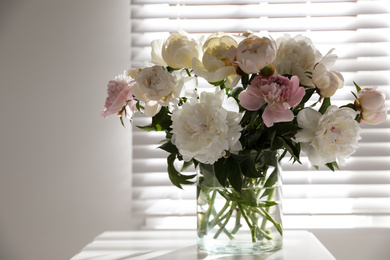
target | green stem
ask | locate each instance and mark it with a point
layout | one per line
(276, 224)
(216, 219)
(229, 214)
(251, 227)
(206, 216)
(212, 224)
(269, 198)
(238, 225)
(264, 234)
(188, 73)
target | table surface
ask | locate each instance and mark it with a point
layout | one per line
(172, 245)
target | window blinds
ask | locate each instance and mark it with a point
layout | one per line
(356, 196)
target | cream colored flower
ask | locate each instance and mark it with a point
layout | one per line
(156, 52)
(371, 103)
(330, 137)
(296, 56)
(156, 87)
(254, 53)
(178, 50)
(216, 65)
(205, 128)
(327, 81)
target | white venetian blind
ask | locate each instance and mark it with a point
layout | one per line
(359, 194)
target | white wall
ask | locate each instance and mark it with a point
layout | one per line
(64, 170)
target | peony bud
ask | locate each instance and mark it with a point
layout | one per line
(268, 71)
(371, 103)
(179, 50)
(254, 53)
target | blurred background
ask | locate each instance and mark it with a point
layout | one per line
(65, 172)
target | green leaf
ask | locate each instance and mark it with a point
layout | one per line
(221, 171)
(239, 157)
(248, 168)
(162, 121)
(282, 155)
(219, 83)
(285, 128)
(335, 164)
(170, 69)
(294, 150)
(234, 174)
(277, 144)
(255, 203)
(186, 165)
(308, 93)
(138, 106)
(169, 147)
(332, 166)
(209, 176)
(325, 105)
(350, 105)
(253, 139)
(247, 115)
(236, 91)
(272, 179)
(121, 119)
(147, 128)
(358, 118)
(245, 80)
(176, 177)
(357, 87)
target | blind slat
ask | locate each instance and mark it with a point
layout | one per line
(224, 2)
(256, 10)
(332, 38)
(353, 164)
(158, 179)
(289, 191)
(271, 24)
(357, 195)
(314, 206)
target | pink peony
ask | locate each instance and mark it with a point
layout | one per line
(280, 94)
(119, 96)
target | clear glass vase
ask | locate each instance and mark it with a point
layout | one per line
(246, 222)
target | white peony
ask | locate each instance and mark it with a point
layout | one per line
(177, 51)
(296, 56)
(205, 128)
(327, 81)
(216, 65)
(156, 87)
(330, 137)
(156, 52)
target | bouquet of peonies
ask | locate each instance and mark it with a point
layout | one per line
(264, 100)
(266, 95)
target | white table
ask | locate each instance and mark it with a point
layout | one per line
(181, 245)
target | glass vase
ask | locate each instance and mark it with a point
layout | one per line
(240, 222)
